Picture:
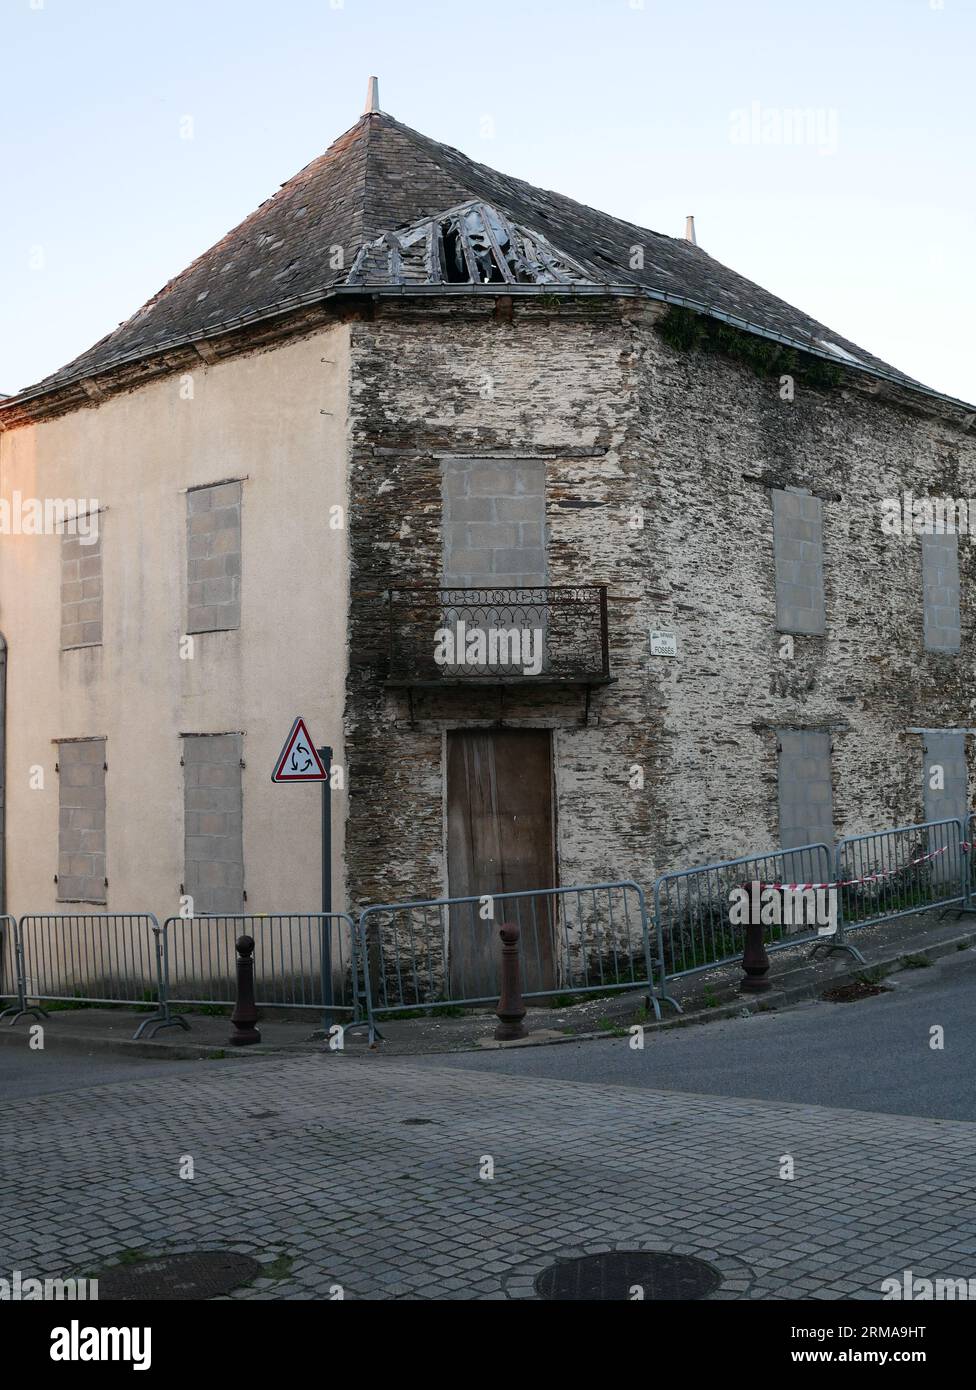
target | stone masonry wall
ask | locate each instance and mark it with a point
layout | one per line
(723, 440)
(675, 763)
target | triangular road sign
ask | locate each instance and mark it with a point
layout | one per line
(299, 761)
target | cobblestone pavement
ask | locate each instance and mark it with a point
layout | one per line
(365, 1173)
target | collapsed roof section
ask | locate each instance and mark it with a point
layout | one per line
(471, 244)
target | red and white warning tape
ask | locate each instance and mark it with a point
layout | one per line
(867, 878)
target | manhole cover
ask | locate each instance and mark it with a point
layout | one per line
(203, 1274)
(618, 1274)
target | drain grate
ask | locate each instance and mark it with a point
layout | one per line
(618, 1274)
(198, 1275)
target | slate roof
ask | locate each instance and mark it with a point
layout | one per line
(381, 177)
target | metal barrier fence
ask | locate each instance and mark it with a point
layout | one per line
(302, 960)
(10, 971)
(692, 906)
(92, 958)
(885, 874)
(445, 952)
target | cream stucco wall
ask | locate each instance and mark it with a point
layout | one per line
(278, 420)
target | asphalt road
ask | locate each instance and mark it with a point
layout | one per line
(872, 1055)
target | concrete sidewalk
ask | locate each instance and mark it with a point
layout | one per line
(706, 995)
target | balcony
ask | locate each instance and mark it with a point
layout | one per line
(475, 636)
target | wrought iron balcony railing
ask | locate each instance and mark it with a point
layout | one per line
(481, 636)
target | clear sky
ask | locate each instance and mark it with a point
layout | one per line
(648, 109)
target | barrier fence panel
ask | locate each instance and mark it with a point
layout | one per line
(892, 873)
(692, 907)
(302, 960)
(442, 952)
(11, 976)
(92, 958)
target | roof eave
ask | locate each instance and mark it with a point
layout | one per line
(87, 381)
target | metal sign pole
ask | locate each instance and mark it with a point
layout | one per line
(326, 948)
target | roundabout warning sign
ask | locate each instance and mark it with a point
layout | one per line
(299, 762)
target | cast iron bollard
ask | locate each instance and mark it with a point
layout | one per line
(245, 1013)
(511, 1009)
(755, 961)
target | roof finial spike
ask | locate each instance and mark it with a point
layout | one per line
(372, 96)
(690, 230)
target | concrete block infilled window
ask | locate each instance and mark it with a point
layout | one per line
(806, 804)
(213, 822)
(81, 589)
(494, 513)
(213, 550)
(946, 784)
(798, 552)
(940, 588)
(81, 829)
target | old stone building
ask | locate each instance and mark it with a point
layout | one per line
(567, 539)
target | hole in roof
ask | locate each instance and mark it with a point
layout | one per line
(455, 266)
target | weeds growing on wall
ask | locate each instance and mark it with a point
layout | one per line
(688, 331)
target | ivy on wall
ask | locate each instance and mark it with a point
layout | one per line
(688, 331)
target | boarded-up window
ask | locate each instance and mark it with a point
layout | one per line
(940, 585)
(798, 553)
(213, 820)
(945, 786)
(213, 548)
(494, 522)
(81, 588)
(806, 805)
(81, 830)
(494, 513)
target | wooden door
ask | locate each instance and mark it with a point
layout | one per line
(500, 838)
